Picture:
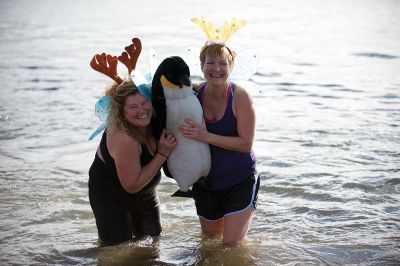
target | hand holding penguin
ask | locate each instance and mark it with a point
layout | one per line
(193, 130)
(166, 144)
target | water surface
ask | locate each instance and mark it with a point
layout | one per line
(327, 99)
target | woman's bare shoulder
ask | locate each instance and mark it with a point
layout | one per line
(197, 86)
(119, 141)
(241, 93)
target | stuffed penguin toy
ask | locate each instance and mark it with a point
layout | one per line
(173, 102)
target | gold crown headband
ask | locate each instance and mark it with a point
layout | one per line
(219, 35)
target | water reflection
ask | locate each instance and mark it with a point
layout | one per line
(208, 251)
(211, 251)
(142, 252)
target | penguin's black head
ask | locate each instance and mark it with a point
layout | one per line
(176, 71)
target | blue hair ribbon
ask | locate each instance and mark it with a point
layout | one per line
(101, 109)
(142, 84)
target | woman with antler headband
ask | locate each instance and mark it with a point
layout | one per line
(127, 163)
(226, 201)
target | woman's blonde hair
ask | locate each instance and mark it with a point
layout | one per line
(116, 116)
(217, 50)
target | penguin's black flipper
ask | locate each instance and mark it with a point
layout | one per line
(166, 171)
(180, 193)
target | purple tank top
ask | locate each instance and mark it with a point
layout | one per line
(227, 167)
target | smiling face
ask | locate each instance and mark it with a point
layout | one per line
(216, 70)
(216, 63)
(137, 110)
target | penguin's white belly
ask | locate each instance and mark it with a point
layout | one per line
(190, 160)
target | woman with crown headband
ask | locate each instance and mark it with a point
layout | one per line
(226, 199)
(127, 163)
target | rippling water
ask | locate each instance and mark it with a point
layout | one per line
(328, 144)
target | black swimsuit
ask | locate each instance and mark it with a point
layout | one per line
(119, 214)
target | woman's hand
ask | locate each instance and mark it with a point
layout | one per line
(166, 143)
(193, 130)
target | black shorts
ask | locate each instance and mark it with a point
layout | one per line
(215, 204)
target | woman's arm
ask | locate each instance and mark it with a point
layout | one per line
(245, 115)
(126, 152)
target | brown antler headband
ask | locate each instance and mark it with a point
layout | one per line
(107, 64)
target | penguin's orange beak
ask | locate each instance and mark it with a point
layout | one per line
(168, 84)
(184, 80)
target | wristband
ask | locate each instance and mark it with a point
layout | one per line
(162, 154)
